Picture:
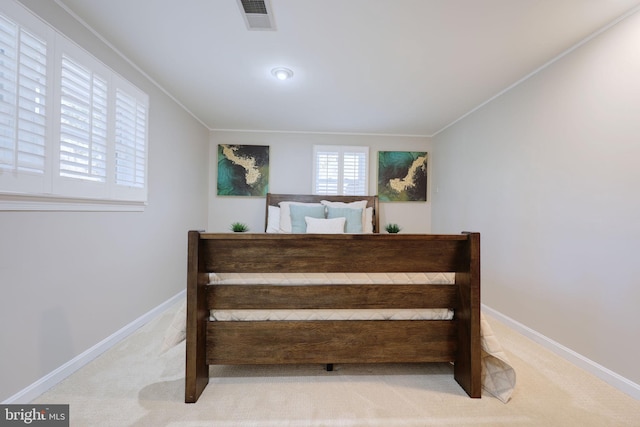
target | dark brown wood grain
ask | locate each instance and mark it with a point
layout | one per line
(326, 342)
(467, 370)
(290, 253)
(274, 297)
(331, 342)
(197, 370)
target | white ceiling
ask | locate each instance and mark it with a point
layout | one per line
(402, 67)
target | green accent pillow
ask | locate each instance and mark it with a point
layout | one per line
(298, 212)
(353, 218)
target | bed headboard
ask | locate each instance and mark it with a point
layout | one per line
(274, 199)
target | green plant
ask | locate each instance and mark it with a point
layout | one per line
(392, 228)
(239, 227)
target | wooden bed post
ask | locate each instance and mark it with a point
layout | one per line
(467, 369)
(197, 370)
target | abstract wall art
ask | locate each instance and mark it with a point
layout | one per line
(243, 170)
(402, 176)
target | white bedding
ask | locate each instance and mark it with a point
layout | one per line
(323, 314)
(498, 377)
(331, 278)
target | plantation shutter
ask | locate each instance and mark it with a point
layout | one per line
(83, 123)
(354, 173)
(130, 140)
(340, 170)
(23, 95)
(131, 112)
(327, 166)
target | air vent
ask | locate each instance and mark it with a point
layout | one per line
(257, 14)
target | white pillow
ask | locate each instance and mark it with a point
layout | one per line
(285, 214)
(325, 226)
(273, 219)
(367, 225)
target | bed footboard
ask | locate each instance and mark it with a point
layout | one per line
(327, 342)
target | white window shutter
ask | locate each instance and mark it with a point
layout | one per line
(354, 173)
(23, 97)
(326, 166)
(83, 123)
(8, 93)
(130, 148)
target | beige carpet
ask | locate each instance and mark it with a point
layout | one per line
(133, 385)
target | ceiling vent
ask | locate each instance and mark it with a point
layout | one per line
(257, 14)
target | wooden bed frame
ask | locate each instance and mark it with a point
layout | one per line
(327, 342)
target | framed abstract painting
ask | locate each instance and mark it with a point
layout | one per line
(402, 176)
(243, 170)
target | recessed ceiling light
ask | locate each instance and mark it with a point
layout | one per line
(282, 73)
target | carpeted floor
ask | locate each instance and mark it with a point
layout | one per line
(134, 385)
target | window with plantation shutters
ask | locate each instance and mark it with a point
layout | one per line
(73, 133)
(340, 170)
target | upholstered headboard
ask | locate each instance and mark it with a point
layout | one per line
(275, 199)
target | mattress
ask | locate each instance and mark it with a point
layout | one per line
(292, 279)
(331, 278)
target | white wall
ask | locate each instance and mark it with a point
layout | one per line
(548, 173)
(290, 168)
(71, 279)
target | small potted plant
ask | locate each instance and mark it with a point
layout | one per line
(239, 227)
(392, 228)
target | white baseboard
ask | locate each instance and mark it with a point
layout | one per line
(45, 383)
(621, 383)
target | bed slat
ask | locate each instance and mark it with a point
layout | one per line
(331, 342)
(369, 296)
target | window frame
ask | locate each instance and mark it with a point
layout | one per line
(51, 191)
(341, 151)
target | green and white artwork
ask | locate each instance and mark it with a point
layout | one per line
(402, 176)
(243, 170)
